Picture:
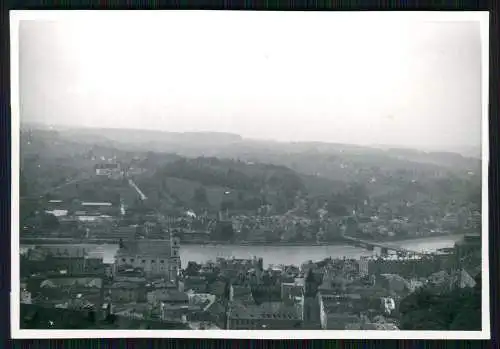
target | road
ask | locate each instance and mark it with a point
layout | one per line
(139, 191)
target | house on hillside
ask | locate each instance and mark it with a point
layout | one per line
(111, 169)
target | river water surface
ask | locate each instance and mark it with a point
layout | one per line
(280, 254)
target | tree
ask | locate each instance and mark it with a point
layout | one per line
(299, 232)
(241, 196)
(227, 205)
(455, 310)
(337, 209)
(27, 209)
(192, 268)
(423, 319)
(245, 232)
(351, 227)
(200, 195)
(49, 221)
(467, 320)
(339, 284)
(223, 231)
(251, 204)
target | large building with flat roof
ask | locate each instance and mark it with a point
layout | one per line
(268, 315)
(107, 169)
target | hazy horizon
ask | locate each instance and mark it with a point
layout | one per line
(414, 84)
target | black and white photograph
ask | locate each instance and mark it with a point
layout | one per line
(234, 174)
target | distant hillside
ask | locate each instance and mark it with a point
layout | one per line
(150, 140)
(447, 159)
(210, 171)
(335, 161)
(239, 185)
(49, 158)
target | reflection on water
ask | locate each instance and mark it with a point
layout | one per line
(281, 254)
(428, 245)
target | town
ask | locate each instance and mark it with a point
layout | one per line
(67, 283)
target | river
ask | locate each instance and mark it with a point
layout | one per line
(281, 254)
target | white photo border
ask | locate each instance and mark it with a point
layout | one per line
(21, 15)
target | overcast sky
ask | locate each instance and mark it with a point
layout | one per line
(282, 76)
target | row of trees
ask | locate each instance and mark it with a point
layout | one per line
(282, 181)
(207, 175)
(458, 310)
(223, 231)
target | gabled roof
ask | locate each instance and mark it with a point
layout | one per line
(125, 285)
(154, 248)
(171, 296)
(217, 288)
(267, 310)
(241, 290)
(216, 308)
(65, 251)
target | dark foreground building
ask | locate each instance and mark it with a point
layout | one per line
(37, 317)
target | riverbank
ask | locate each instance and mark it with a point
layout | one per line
(339, 242)
(272, 254)
(65, 241)
(410, 238)
(258, 243)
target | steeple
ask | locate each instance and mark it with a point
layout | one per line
(311, 284)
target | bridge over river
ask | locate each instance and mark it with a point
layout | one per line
(385, 248)
(370, 245)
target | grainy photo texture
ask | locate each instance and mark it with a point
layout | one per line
(249, 171)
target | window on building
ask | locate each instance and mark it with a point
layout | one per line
(123, 260)
(131, 260)
(153, 261)
(143, 261)
(162, 261)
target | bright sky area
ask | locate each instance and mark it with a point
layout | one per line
(328, 77)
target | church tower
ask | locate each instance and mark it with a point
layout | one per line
(175, 258)
(311, 284)
(312, 312)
